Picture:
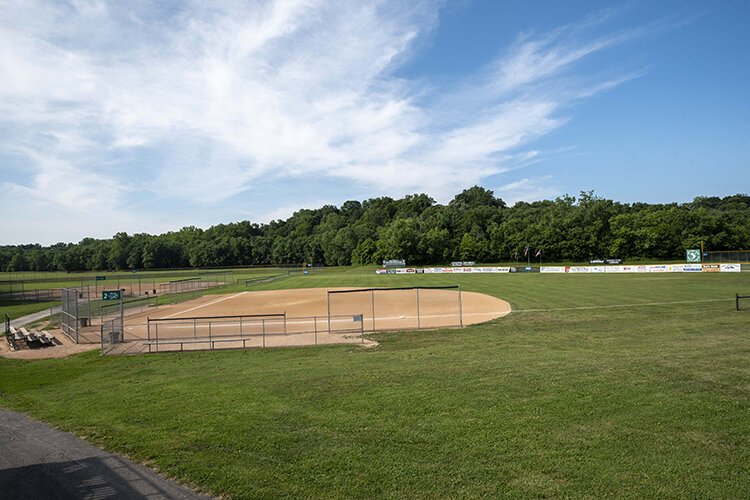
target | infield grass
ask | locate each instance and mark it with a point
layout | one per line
(590, 389)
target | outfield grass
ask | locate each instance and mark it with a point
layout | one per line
(589, 389)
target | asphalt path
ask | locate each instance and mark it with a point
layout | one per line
(37, 461)
(30, 318)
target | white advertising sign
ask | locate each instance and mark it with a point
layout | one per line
(730, 268)
(552, 269)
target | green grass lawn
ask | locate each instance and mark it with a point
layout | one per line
(17, 308)
(588, 390)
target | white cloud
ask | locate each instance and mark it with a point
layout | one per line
(534, 189)
(235, 91)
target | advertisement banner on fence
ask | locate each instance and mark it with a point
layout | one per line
(552, 269)
(579, 269)
(407, 270)
(657, 268)
(730, 268)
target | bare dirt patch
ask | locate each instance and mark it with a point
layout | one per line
(63, 347)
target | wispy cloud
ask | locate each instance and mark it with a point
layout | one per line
(224, 94)
(528, 190)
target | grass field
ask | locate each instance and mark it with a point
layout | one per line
(598, 385)
(17, 308)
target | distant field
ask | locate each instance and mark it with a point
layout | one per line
(598, 385)
(18, 308)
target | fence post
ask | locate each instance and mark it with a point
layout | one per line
(460, 308)
(77, 324)
(156, 328)
(362, 327)
(418, 322)
(263, 330)
(240, 326)
(101, 339)
(211, 344)
(285, 332)
(328, 302)
(372, 300)
(315, 328)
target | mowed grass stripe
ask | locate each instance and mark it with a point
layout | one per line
(598, 402)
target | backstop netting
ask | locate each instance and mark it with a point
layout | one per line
(398, 308)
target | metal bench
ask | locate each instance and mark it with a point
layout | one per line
(211, 342)
(48, 336)
(16, 334)
(40, 337)
(30, 337)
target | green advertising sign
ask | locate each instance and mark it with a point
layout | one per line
(693, 255)
(112, 295)
(101, 278)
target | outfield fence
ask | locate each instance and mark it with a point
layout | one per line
(727, 256)
(264, 279)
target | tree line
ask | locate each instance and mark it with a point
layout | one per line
(475, 225)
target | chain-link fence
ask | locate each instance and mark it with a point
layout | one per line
(35, 295)
(69, 313)
(111, 334)
(232, 332)
(727, 256)
(400, 308)
(738, 300)
(91, 286)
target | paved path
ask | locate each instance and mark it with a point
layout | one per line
(30, 318)
(39, 462)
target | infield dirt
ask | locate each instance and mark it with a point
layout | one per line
(306, 318)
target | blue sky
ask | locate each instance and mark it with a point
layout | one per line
(148, 117)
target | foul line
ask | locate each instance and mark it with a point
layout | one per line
(621, 305)
(204, 305)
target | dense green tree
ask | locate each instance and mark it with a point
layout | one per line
(474, 225)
